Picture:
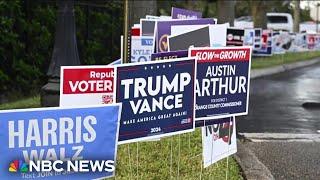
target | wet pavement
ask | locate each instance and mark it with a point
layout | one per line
(289, 160)
(276, 103)
(276, 109)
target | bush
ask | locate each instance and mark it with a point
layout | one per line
(27, 30)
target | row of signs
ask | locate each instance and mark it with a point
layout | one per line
(162, 98)
(267, 42)
(157, 98)
(101, 106)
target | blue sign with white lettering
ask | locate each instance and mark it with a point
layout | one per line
(157, 99)
(29, 135)
(223, 78)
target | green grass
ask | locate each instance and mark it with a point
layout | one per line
(31, 102)
(152, 160)
(279, 59)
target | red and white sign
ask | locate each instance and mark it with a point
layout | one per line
(87, 85)
(221, 54)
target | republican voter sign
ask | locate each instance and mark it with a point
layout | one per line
(86, 85)
(157, 99)
(223, 77)
(64, 134)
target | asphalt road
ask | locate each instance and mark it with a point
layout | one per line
(276, 103)
(286, 135)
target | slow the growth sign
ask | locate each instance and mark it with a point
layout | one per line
(157, 99)
(223, 78)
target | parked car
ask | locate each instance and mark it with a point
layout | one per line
(275, 21)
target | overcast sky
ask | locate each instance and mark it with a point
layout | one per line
(311, 3)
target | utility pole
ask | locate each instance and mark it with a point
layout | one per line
(126, 34)
(317, 21)
(65, 52)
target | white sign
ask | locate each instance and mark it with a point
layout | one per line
(141, 48)
(87, 85)
(219, 141)
(217, 32)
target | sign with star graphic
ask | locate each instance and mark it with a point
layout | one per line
(157, 98)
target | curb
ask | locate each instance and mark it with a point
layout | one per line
(257, 73)
(251, 166)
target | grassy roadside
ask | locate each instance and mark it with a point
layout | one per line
(31, 102)
(279, 59)
(160, 159)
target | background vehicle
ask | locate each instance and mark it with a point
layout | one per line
(276, 21)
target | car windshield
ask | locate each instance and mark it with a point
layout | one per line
(277, 19)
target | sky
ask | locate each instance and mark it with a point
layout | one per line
(306, 3)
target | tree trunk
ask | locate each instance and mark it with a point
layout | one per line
(226, 11)
(141, 8)
(296, 16)
(259, 14)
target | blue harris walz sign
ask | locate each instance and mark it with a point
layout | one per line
(157, 99)
(58, 134)
(223, 78)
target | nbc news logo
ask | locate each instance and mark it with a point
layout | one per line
(17, 165)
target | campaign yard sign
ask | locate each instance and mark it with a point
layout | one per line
(266, 44)
(257, 38)
(141, 48)
(201, 123)
(178, 13)
(157, 99)
(235, 37)
(196, 38)
(249, 37)
(223, 78)
(87, 85)
(163, 30)
(184, 36)
(147, 27)
(169, 55)
(219, 141)
(86, 133)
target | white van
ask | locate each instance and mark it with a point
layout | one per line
(280, 21)
(275, 21)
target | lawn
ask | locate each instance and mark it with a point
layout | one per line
(176, 157)
(279, 59)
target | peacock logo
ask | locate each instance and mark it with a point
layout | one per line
(17, 165)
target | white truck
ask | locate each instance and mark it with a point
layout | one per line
(275, 21)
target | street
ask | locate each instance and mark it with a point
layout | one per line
(284, 135)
